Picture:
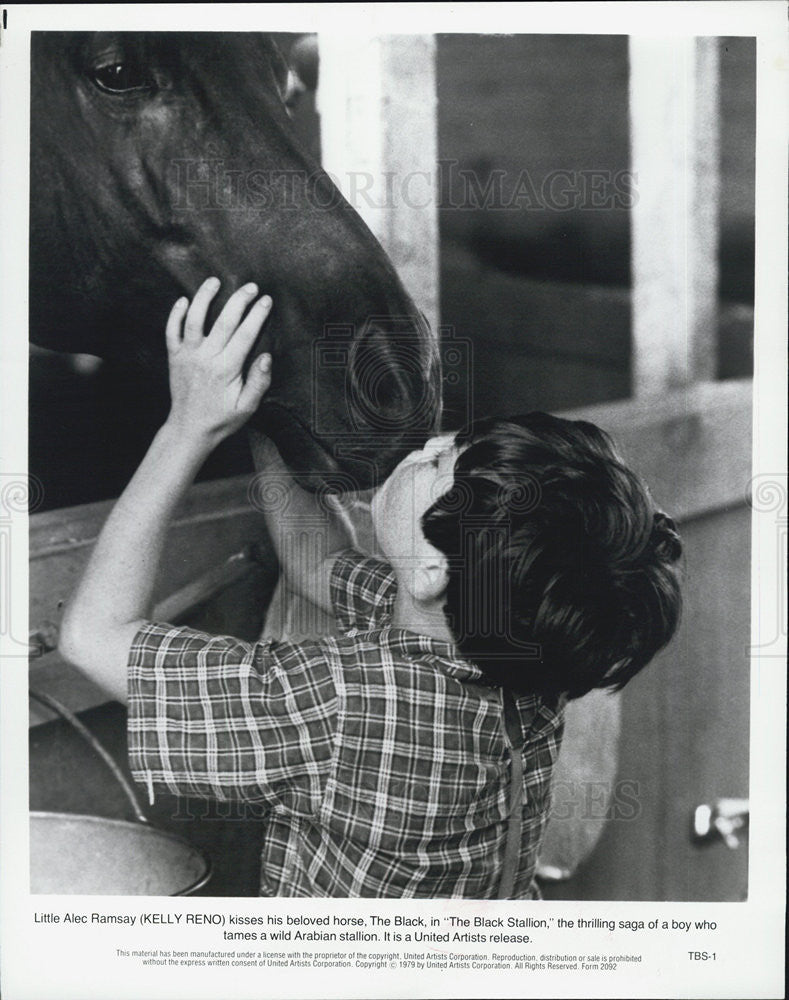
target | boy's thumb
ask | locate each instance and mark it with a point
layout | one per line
(258, 379)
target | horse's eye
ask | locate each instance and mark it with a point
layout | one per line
(121, 77)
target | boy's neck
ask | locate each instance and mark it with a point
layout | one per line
(417, 616)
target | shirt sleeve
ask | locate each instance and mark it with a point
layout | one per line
(219, 718)
(363, 591)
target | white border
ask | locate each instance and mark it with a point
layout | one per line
(56, 964)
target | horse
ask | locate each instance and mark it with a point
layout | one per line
(160, 158)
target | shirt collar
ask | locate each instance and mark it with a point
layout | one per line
(414, 645)
(541, 716)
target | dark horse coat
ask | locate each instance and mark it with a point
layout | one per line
(160, 158)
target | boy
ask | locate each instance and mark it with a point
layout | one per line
(411, 756)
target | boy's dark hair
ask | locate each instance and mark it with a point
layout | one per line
(563, 576)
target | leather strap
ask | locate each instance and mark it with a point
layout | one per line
(512, 848)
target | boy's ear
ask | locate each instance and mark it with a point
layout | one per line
(429, 578)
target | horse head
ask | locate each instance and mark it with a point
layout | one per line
(160, 158)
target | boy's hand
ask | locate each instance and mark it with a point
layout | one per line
(210, 399)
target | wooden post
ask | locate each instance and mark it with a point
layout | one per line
(674, 127)
(377, 103)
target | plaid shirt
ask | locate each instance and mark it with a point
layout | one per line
(380, 756)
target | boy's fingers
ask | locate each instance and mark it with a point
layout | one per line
(257, 383)
(240, 343)
(230, 317)
(195, 317)
(172, 332)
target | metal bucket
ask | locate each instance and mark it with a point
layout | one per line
(89, 855)
(92, 856)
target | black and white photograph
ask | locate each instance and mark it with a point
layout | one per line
(395, 499)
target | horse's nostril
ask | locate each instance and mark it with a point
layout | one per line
(387, 387)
